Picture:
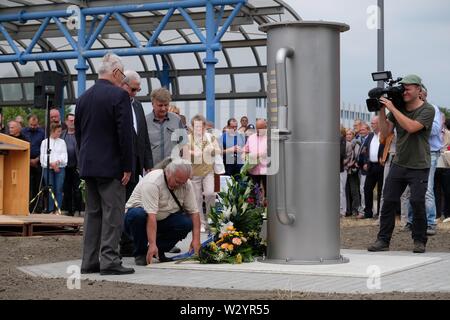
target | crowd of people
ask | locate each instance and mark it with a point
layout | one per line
(404, 152)
(53, 162)
(160, 169)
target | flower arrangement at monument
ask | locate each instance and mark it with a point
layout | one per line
(235, 223)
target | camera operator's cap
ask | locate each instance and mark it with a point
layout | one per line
(412, 79)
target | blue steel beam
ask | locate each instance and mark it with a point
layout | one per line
(38, 35)
(9, 39)
(97, 31)
(92, 28)
(23, 15)
(219, 17)
(228, 22)
(184, 48)
(66, 33)
(192, 24)
(123, 22)
(82, 50)
(164, 77)
(210, 62)
(160, 27)
(81, 65)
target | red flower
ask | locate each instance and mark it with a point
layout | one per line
(251, 200)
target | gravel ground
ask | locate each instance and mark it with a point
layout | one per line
(17, 251)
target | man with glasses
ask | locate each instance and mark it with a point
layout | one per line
(142, 154)
(103, 133)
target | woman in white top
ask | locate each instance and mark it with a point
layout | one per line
(58, 161)
(201, 150)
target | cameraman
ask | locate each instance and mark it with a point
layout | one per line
(411, 164)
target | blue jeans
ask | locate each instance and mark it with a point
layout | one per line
(169, 231)
(430, 204)
(57, 183)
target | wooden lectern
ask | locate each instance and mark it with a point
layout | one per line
(14, 176)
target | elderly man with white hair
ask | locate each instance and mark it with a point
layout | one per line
(104, 122)
(162, 211)
(142, 150)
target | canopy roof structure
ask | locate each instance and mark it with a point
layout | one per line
(170, 45)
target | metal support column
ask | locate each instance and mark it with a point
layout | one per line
(380, 54)
(210, 62)
(81, 66)
(163, 76)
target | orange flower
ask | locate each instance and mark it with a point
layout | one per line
(237, 241)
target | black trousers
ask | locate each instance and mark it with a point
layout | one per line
(442, 192)
(374, 178)
(396, 183)
(72, 195)
(126, 244)
(352, 194)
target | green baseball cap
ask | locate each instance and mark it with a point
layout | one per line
(412, 79)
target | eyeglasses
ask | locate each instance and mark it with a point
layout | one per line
(134, 89)
(122, 74)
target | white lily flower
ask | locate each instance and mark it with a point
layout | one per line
(247, 192)
(227, 213)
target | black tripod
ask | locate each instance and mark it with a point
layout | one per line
(48, 187)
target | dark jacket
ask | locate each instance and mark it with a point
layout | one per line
(104, 122)
(343, 144)
(364, 156)
(35, 137)
(142, 150)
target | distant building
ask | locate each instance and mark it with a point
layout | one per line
(350, 113)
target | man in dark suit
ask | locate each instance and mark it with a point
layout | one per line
(142, 153)
(370, 163)
(104, 130)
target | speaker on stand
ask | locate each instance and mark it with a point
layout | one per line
(48, 94)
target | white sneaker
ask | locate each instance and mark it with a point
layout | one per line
(446, 220)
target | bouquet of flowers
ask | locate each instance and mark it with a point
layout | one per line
(235, 223)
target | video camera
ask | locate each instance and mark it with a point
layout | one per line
(393, 92)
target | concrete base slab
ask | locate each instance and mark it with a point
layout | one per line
(365, 273)
(360, 265)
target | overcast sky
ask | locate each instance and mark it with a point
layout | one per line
(417, 40)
